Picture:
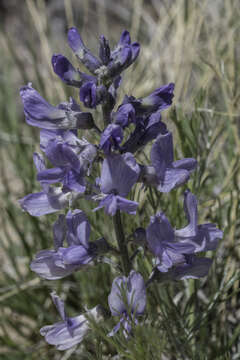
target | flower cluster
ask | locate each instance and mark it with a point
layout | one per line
(69, 181)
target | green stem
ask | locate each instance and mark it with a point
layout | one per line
(121, 242)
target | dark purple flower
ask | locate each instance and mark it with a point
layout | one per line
(157, 101)
(91, 94)
(204, 237)
(166, 174)
(88, 94)
(43, 115)
(71, 330)
(123, 55)
(119, 174)
(111, 138)
(113, 88)
(82, 52)
(124, 115)
(127, 300)
(144, 132)
(160, 99)
(104, 50)
(192, 267)
(161, 242)
(65, 70)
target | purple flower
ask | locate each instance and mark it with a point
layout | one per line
(111, 137)
(50, 200)
(85, 151)
(205, 236)
(82, 52)
(127, 300)
(165, 173)
(160, 99)
(104, 50)
(161, 242)
(119, 174)
(192, 267)
(91, 94)
(123, 55)
(43, 115)
(58, 263)
(144, 132)
(68, 168)
(71, 330)
(88, 94)
(125, 115)
(65, 70)
(112, 91)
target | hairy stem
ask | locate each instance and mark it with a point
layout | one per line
(121, 242)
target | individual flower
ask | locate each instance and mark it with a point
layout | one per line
(124, 115)
(205, 236)
(192, 267)
(71, 330)
(166, 174)
(161, 242)
(119, 173)
(127, 300)
(145, 131)
(67, 170)
(91, 94)
(85, 151)
(123, 55)
(59, 263)
(65, 70)
(104, 50)
(82, 52)
(50, 199)
(41, 114)
(111, 137)
(159, 100)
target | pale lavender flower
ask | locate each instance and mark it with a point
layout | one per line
(161, 242)
(71, 330)
(205, 236)
(119, 173)
(41, 114)
(58, 263)
(166, 174)
(127, 300)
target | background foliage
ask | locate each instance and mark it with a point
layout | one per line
(192, 43)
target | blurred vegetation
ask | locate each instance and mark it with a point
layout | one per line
(194, 44)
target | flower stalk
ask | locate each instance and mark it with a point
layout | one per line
(117, 221)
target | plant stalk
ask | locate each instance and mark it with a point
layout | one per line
(121, 242)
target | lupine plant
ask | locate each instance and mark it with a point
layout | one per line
(104, 173)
